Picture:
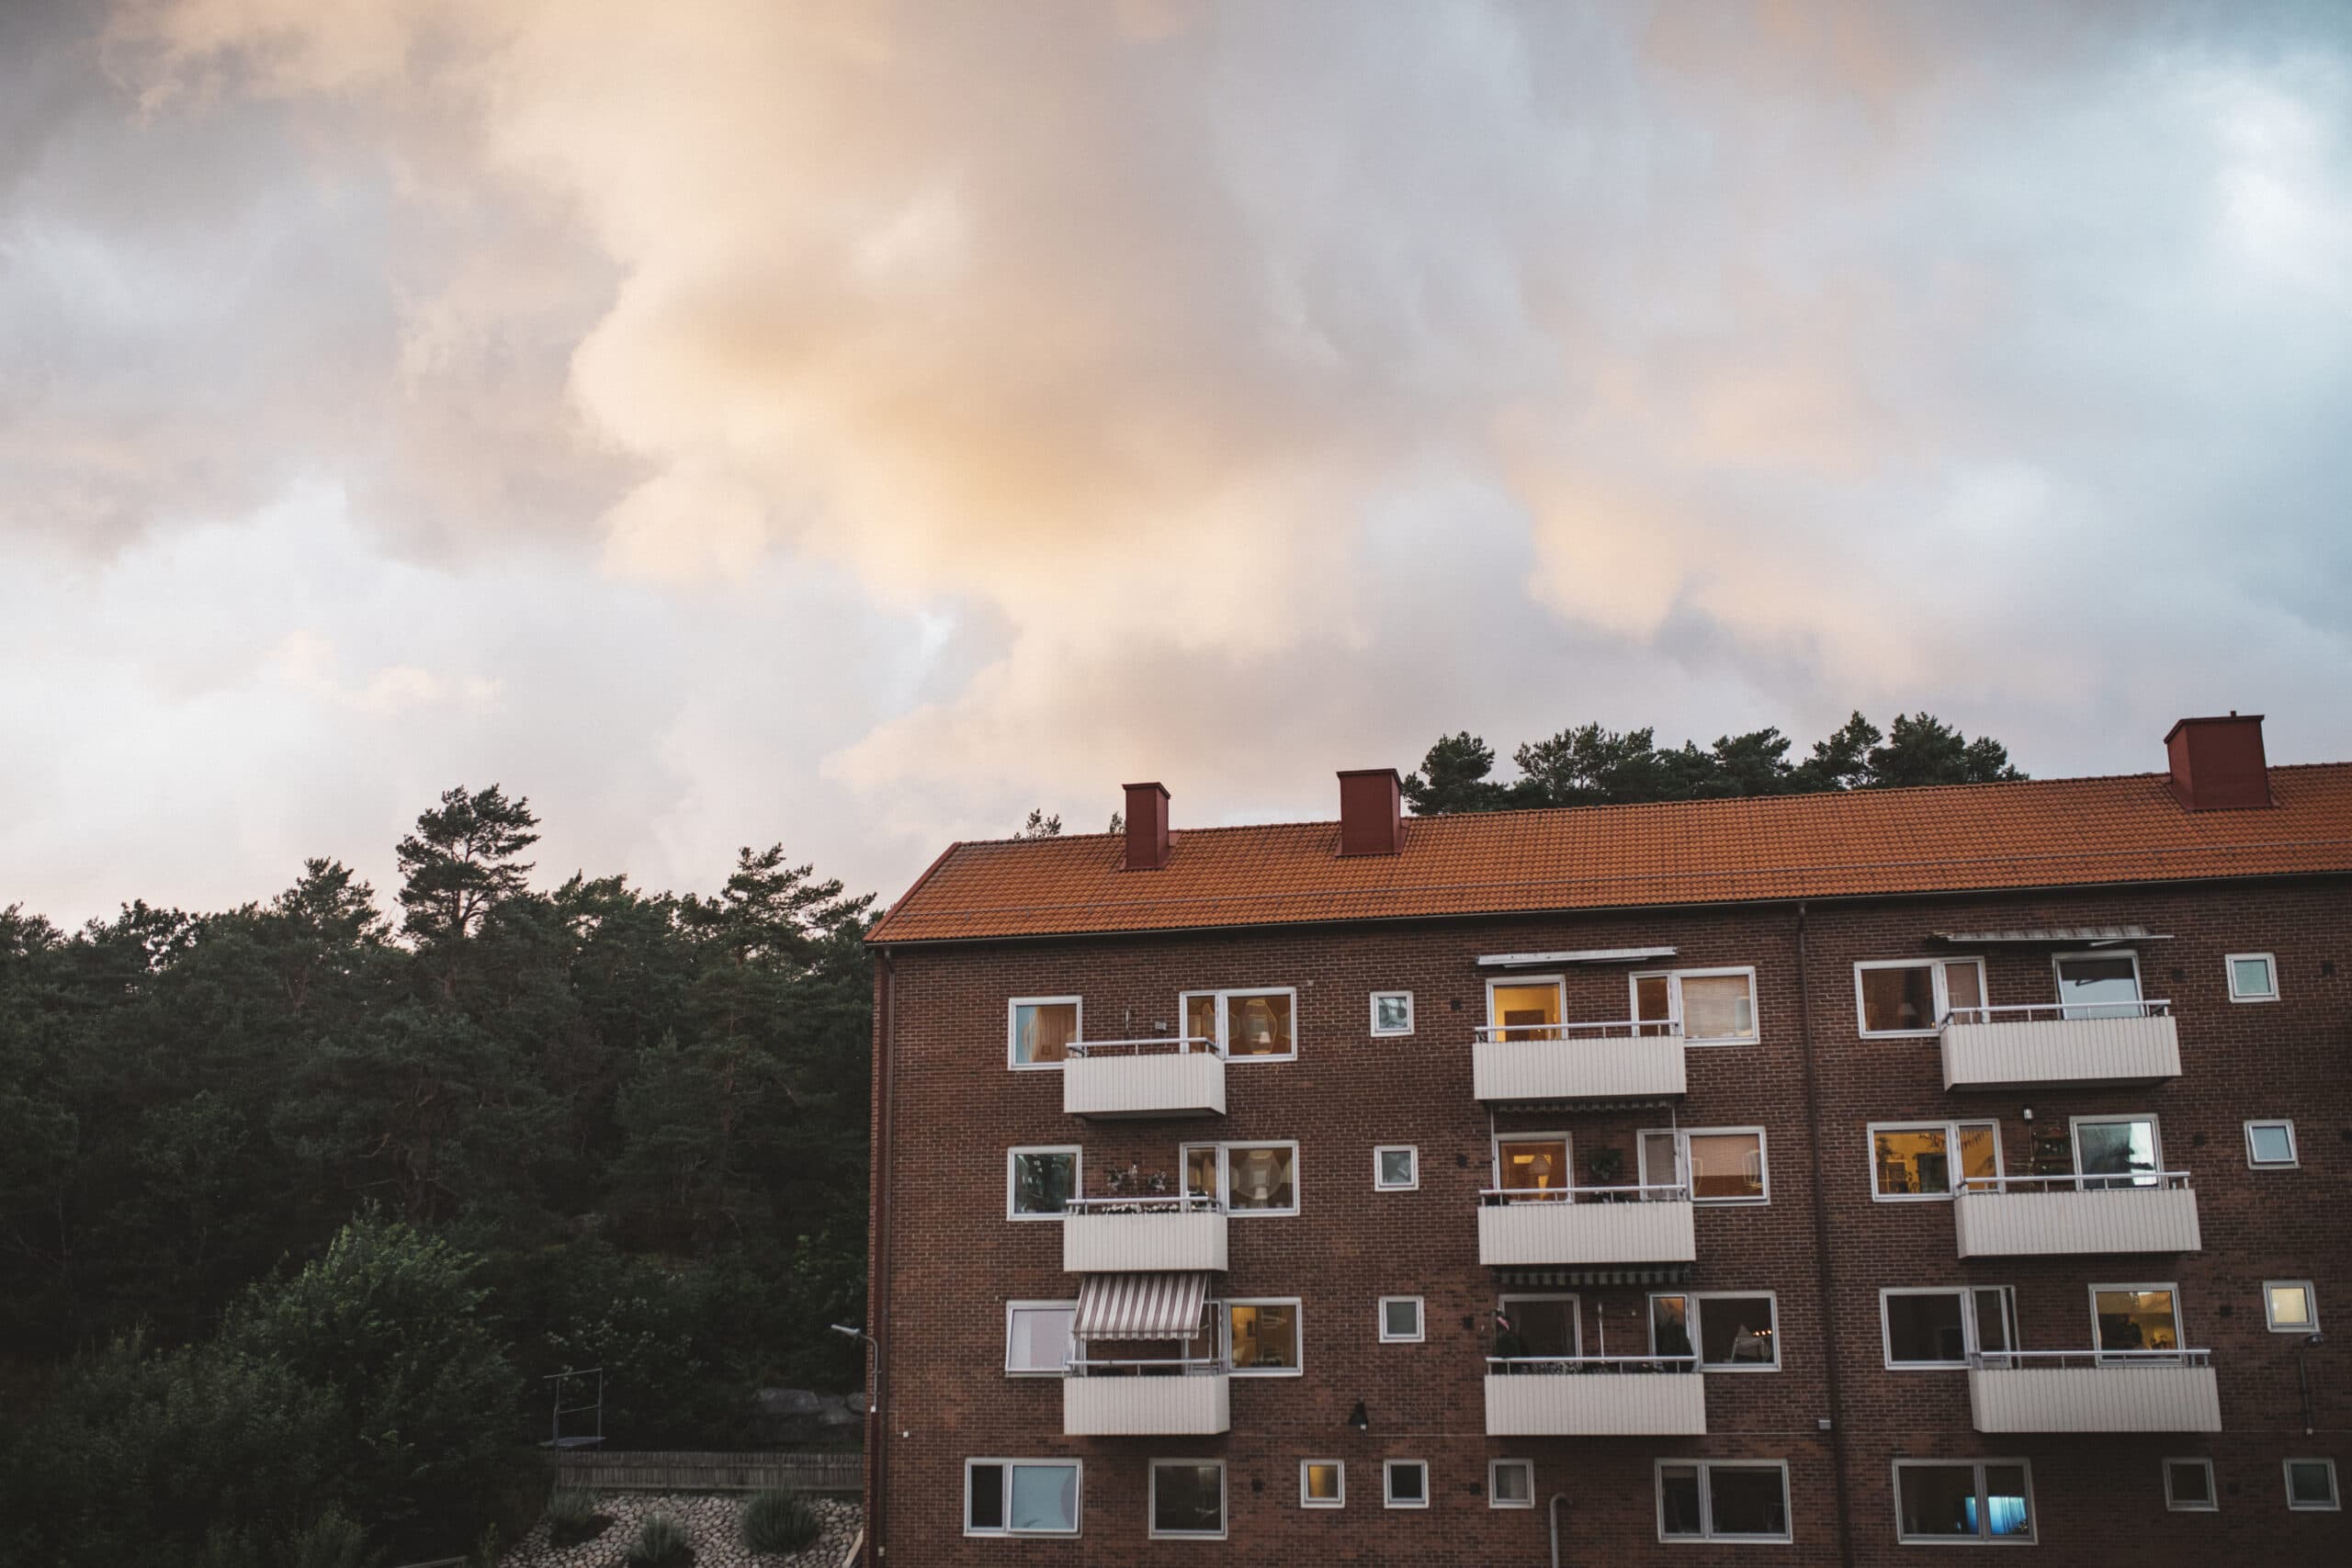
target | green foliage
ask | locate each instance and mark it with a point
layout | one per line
(459, 862)
(660, 1542)
(780, 1519)
(333, 1539)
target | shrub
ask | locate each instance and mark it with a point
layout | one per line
(780, 1519)
(331, 1540)
(660, 1542)
(572, 1516)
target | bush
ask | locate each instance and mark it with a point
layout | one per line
(331, 1541)
(572, 1516)
(660, 1542)
(780, 1519)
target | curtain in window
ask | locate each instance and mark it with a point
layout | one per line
(1717, 1006)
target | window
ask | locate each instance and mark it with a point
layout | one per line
(1536, 1327)
(2099, 985)
(1897, 996)
(1041, 1030)
(1322, 1483)
(1400, 1320)
(1926, 1327)
(1039, 1181)
(1396, 1167)
(1721, 1500)
(1254, 1178)
(2290, 1306)
(2254, 978)
(1715, 1007)
(1510, 1483)
(1188, 1498)
(1405, 1483)
(1021, 1496)
(1913, 1159)
(2270, 1145)
(1735, 1331)
(2122, 1151)
(1722, 1164)
(1978, 1500)
(2311, 1485)
(1036, 1338)
(1533, 1165)
(1247, 1024)
(1392, 1012)
(2128, 1319)
(1524, 1009)
(1262, 1337)
(2189, 1486)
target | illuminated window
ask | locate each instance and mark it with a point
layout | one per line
(2130, 1321)
(2290, 1308)
(1722, 1165)
(1915, 1159)
(1262, 1337)
(1322, 1483)
(1253, 1178)
(1248, 1024)
(1533, 1165)
(1899, 997)
(1524, 1009)
(1984, 1501)
(1042, 1029)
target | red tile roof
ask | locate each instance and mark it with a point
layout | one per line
(2040, 833)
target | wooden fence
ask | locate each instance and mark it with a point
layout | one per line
(609, 1471)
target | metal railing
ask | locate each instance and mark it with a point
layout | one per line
(1646, 1193)
(1145, 1366)
(2082, 1181)
(2027, 1360)
(1145, 1203)
(1152, 1046)
(2065, 1012)
(1588, 1366)
(1617, 1029)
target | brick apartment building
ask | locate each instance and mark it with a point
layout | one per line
(1800, 1180)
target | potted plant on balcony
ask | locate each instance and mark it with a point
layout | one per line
(1607, 1165)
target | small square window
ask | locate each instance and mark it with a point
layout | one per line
(1400, 1320)
(1322, 1483)
(2270, 1145)
(1040, 1182)
(2189, 1486)
(1392, 1012)
(2290, 1308)
(1396, 1167)
(1187, 1498)
(1510, 1483)
(2310, 1485)
(2254, 978)
(1405, 1483)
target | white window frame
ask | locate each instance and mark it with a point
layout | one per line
(1695, 1314)
(2058, 982)
(1225, 1174)
(1078, 1494)
(1151, 1502)
(1339, 1474)
(1972, 1338)
(1682, 1136)
(1373, 1021)
(2212, 1502)
(1952, 1150)
(1380, 1186)
(2311, 1301)
(2075, 1125)
(2294, 1150)
(1388, 1468)
(1576, 1312)
(2335, 1503)
(1567, 1157)
(2179, 1318)
(1984, 1523)
(1009, 1309)
(1707, 1532)
(2230, 963)
(1559, 983)
(1077, 1175)
(1012, 1030)
(1224, 1335)
(1420, 1321)
(1674, 978)
(1939, 992)
(1184, 1018)
(1494, 1494)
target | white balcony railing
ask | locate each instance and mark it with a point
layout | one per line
(1521, 1226)
(1595, 1396)
(1622, 1060)
(1182, 1396)
(1163, 1076)
(2094, 1391)
(2058, 1042)
(2020, 1216)
(1146, 1233)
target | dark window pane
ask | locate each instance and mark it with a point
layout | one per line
(987, 1497)
(2189, 1482)
(2310, 1483)
(1544, 1328)
(1407, 1483)
(1992, 1320)
(1678, 1492)
(1745, 1500)
(1925, 1328)
(1042, 1183)
(1736, 1331)
(1938, 1499)
(1898, 998)
(1188, 1498)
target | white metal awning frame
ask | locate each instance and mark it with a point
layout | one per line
(1586, 955)
(2088, 936)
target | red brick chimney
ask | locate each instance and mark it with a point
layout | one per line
(1147, 827)
(1371, 812)
(2217, 763)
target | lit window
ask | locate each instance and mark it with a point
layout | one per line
(1715, 1007)
(1036, 1336)
(1041, 1030)
(2132, 1321)
(1247, 1024)
(1899, 997)
(2254, 978)
(2099, 985)
(1322, 1483)
(1524, 1009)
(1721, 1500)
(1400, 1320)
(1510, 1483)
(2189, 1486)
(1914, 1160)
(1262, 1338)
(2311, 1485)
(1405, 1483)
(1392, 1012)
(1532, 1167)
(1021, 1496)
(1925, 1328)
(1040, 1181)
(2270, 1145)
(2290, 1306)
(1188, 1498)
(1733, 1332)
(1253, 1178)
(1396, 1167)
(1721, 1165)
(1981, 1501)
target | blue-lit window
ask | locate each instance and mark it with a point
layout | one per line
(1963, 1500)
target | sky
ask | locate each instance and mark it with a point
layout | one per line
(853, 425)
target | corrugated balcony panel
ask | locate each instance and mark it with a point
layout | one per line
(1658, 1405)
(2025, 1052)
(1145, 1241)
(1147, 1407)
(2038, 1222)
(1504, 1071)
(2133, 1398)
(1522, 1234)
(1192, 1084)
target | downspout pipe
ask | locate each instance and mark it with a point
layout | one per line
(1823, 1273)
(1557, 1498)
(877, 1316)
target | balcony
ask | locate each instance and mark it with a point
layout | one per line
(1531, 1063)
(2060, 1042)
(2027, 1216)
(1162, 1076)
(1147, 1399)
(1523, 1226)
(2094, 1391)
(1124, 1236)
(1595, 1396)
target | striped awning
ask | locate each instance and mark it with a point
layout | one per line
(1140, 1306)
(2098, 936)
